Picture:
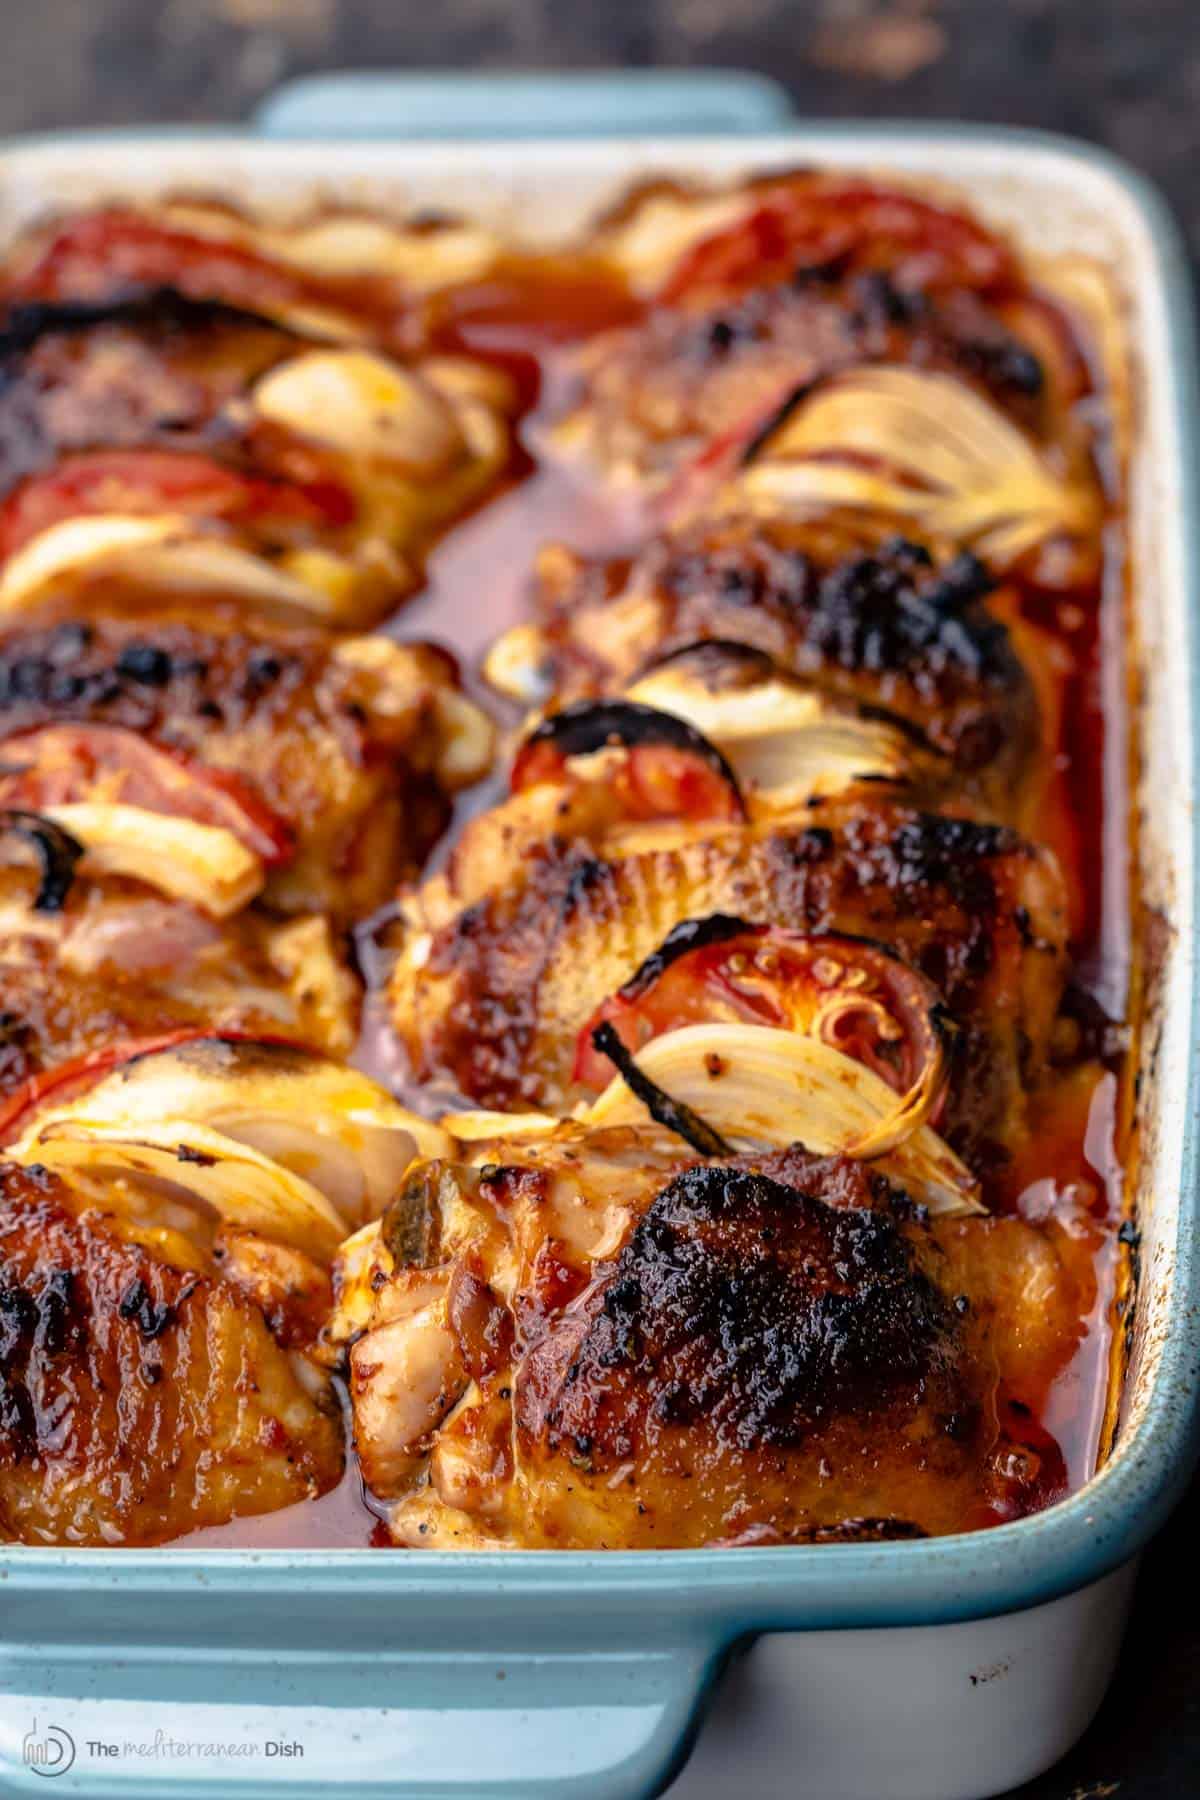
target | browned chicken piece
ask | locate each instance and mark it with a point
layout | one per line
(142, 1395)
(116, 965)
(577, 1345)
(493, 986)
(328, 760)
(761, 294)
(231, 454)
(871, 623)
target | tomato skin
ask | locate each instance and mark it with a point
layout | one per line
(854, 221)
(653, 781)
(152, 481)
(66, 763)
(114, 249)
(723, 970)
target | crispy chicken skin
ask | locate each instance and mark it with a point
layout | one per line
(490, 998)
(874, 624)
(351, 744)
(635, 1356)
(142, 1397)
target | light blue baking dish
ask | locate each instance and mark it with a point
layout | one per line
(937, 1670)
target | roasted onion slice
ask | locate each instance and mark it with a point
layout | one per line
(333, 1127)
(854, 996)
(923, 448)
(177, 1175)
(757, 1086)
(785, 740)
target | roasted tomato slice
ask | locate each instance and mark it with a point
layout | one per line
(669, 770)
(59, 765)
(153, 481)
(854, 995)
(113, 250)
(819, 224)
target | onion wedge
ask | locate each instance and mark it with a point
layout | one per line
(364, 406)
(760, 1087)
(339, 1131)
(924, 448)
(159, 551)
(222, 1181)
(205, 864)
(785, 741)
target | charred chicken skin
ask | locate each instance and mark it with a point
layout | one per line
(801, 280)
(578, 1345)
(551, 904)
(874, 626)
(143, 1394)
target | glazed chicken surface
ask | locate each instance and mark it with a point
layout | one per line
(648, 1089)
(596, 1344)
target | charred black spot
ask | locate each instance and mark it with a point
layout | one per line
(27, 323)
(18, 1320)
(928, 850)
(1003, 362)
(874, 613)
(812, 845)
(145, 663)
(820, 274)
(56, 1324)
(57, 851)
(263, 670)
(878, 301)
(757, 1308)
(586, 876)
(187, 1153)
(152, 1317)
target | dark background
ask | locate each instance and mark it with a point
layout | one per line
(1125, 73)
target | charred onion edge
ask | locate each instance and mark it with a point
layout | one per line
(58, 852)
(20, 1108)
(681, 940)
(778, 415)
(663, 1110)
(590, 725)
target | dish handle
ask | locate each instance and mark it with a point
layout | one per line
(438, 104)
(531, 1723)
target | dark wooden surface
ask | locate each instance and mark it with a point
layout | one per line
(1125, 73)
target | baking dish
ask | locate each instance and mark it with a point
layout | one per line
(954, 1667)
